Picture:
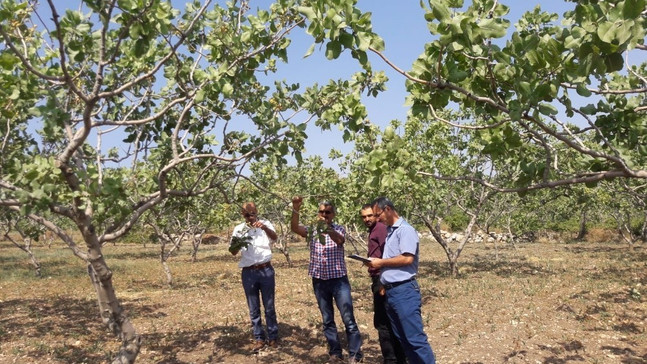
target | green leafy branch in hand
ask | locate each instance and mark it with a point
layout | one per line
(239, 242)
(320, 227)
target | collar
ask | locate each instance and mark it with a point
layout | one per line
(396, 224)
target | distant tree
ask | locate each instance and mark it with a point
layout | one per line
(27, 231)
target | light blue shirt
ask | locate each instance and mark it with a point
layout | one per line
(401, 238)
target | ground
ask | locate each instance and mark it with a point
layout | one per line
(543, 302)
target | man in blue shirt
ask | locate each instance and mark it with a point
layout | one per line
(399, 267)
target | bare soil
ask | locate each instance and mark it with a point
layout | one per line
(536, 303)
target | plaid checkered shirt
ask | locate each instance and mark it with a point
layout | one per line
(327, 261)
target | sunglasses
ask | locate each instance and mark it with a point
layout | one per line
(325, 212)
(249, 214)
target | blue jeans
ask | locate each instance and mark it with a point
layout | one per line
(257, 283)
(403, 307)
(338, 289)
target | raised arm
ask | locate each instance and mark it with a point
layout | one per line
(294, 220)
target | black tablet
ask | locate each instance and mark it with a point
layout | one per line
(357, 257)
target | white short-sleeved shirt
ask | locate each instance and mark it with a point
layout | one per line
(259, 250)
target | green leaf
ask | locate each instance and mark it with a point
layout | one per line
(439, 10)
(363, 41)
(307, 11)
(582, 90)
(309, 51)
(492, 28)
(333, 49)
(547, 109)
(607, 32)
(8, 61)
(534, 59)
(524, 88)
(15, 94)
(128, 5)
(199, 96)
(589, 109)
(614, 62)
(227, 89)
(346, 40)
(141, 47)
(632, 9)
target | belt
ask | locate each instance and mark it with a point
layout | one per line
(393, 285)
(259, 266)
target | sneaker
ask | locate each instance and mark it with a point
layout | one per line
(273, 344)
(258, 345)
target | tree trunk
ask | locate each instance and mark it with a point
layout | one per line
(496, 248)
(113, 314)
(453, 264)
(167, 271)
(194, 251)
(583, 230)
(283, 248)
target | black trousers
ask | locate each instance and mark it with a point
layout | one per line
(391, 349)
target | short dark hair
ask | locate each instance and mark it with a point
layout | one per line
(329, 204)
(366, 206)
(383, 202)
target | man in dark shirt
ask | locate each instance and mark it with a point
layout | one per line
(392, 351)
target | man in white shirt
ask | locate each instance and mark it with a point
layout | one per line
(257, 273)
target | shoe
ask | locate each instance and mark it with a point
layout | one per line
(273, 344)
(352, 360)
(258, 345)
(335, 359)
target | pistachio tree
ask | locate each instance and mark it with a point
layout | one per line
(537, 91)
(95, 97)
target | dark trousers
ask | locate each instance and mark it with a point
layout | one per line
(259, 283)
(392, 351)
(403, 304)
(338, 290)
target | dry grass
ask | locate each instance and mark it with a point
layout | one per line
(540, 303)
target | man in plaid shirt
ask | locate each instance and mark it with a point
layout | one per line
(329, 278)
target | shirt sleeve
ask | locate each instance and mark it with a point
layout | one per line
(408, 240)
(340, 229)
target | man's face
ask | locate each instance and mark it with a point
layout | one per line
(326, 213)
(250, 214)
(380, 215)
(368, 217)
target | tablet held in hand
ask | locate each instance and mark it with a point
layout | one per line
(357, 257)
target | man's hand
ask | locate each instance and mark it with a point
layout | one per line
(294, 219)
(296, 202)
(374, 263)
